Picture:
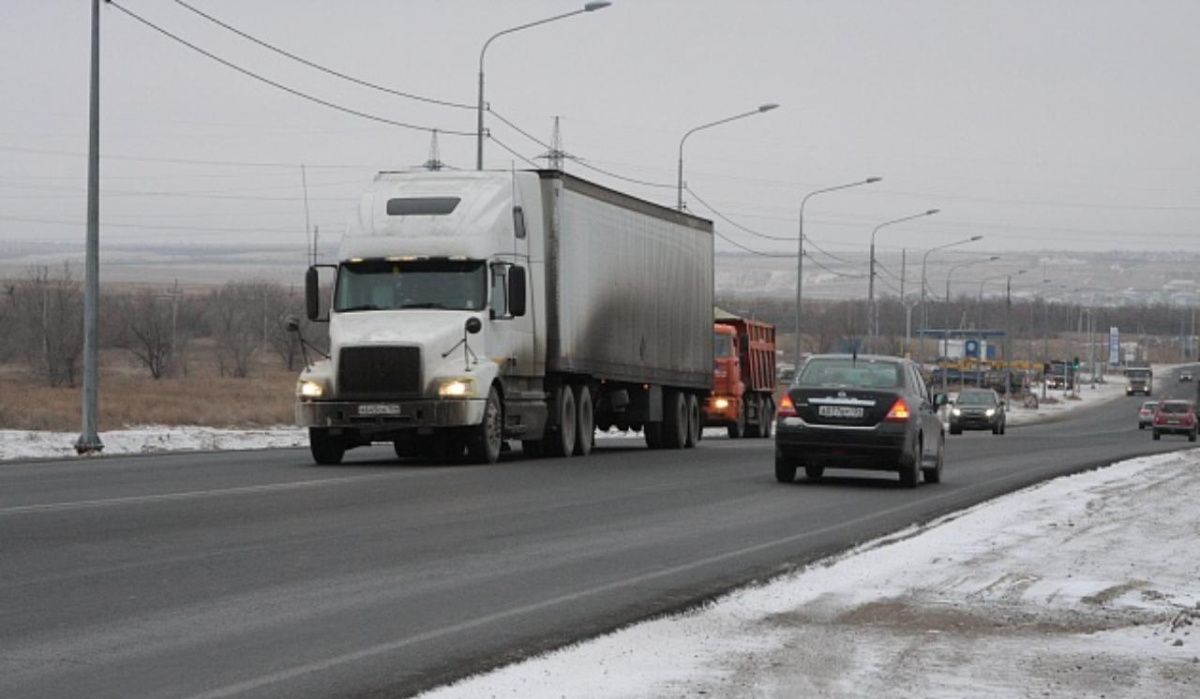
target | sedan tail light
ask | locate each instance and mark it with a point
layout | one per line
(786, 408)
(899, 412)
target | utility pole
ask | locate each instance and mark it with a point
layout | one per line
(307, 224)
(89, 441)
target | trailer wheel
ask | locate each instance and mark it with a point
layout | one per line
(693, 421)
(585, 425)
(562, 442)
(326, 449)
(675, 420)
(487, 438)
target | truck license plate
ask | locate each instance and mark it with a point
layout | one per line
(379, 409)
(844, 411)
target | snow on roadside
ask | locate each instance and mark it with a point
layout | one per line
(1066, 401)
(1087, 585)
(149, 439)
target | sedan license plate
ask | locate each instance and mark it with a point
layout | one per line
(379, 409)
(842, 411)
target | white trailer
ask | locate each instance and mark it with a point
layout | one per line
(474, 308)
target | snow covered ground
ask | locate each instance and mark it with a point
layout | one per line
(1084, 586)
(148, 439)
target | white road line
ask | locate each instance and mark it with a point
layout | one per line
(188, 495)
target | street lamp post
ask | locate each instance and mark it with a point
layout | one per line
(718, 122)
(872, 318)
(800, 251)
(946, 330)
(589, 7)
(925, 283)
(1008, 292)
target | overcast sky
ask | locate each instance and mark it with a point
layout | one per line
(1040, 124)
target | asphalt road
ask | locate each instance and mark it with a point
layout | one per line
(260, 574)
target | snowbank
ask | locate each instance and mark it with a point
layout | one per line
(148, 439)
(1087, 585)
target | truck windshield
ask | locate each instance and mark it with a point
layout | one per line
(382, 285)
(722, 345)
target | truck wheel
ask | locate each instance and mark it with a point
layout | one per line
(768, 418)
(326, 449)
(562, 442)
(487, 438)
(753, 427)
(675, 420)
(693, 421)
(653, 434)
(1155, 434)
(738, 428)
(585, 425)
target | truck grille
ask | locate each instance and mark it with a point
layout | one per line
(379, 372)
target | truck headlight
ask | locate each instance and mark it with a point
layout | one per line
(955, 412)
(310, 389)
(990, 412)
(456, 388)
(721, 403)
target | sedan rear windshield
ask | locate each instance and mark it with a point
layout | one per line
(850, 373)
(1174, 407)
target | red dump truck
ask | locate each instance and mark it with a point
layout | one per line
(742, 399)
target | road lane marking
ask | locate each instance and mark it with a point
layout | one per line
(187, 495)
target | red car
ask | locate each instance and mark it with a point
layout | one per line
(1175, 417)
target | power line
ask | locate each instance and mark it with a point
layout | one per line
(511, 151)
(733, 223)
(752, 251)
(575, 159)
(182, 161)
(319, 67)
(281, 86)
(832, 271)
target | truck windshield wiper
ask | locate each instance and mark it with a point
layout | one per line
(429, 304)
(363, 307)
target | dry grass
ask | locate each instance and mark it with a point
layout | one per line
(130, 397)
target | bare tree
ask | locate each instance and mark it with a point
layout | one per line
(47, 323)
(148, 331)
(236, 323)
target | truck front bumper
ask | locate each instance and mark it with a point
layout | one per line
(365, 415)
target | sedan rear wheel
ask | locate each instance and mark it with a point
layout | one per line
(910, 468)
(785, 471)
(934, 475)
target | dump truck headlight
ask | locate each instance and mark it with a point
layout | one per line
(456, 388)
(721, 403)
(310, 389)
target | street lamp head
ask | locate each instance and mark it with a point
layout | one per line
(976, 237)
(1022, 271)
(873, 180)
(767, 107)
(993, 258)
(598, 5)
(932, 212)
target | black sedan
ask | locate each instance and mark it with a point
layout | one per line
(860, 412)
(978, 409)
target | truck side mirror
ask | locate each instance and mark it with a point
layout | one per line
(312, 294)
(516, 291)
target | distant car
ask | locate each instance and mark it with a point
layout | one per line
(1185, 374)
(1146, 414)
(978, 409)
(860, 412)
(1175, 417)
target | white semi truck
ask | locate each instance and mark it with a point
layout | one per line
(473, 308)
